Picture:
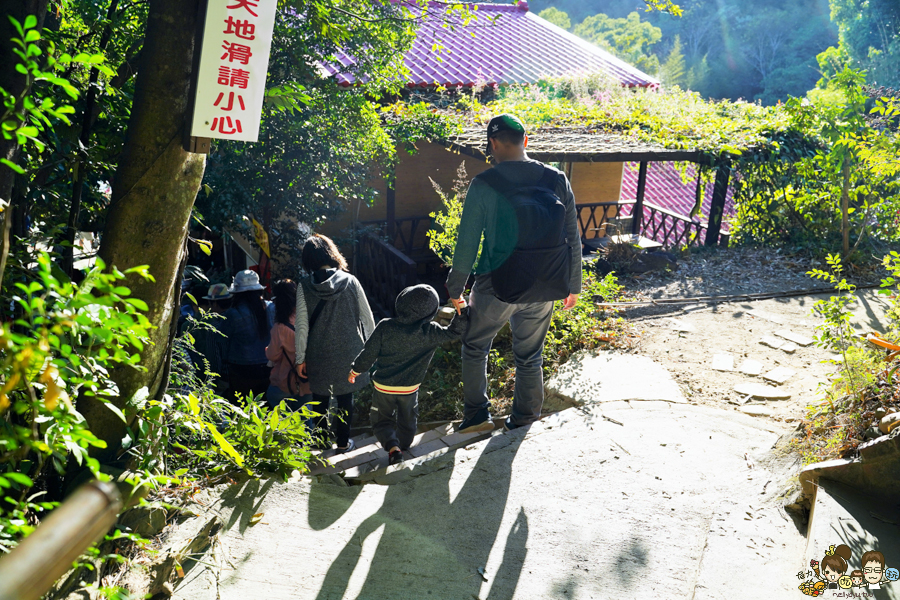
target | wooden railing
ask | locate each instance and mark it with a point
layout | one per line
(669, 228)
(384, 272)
(594, 217)
(410, 233)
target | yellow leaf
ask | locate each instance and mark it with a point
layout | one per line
(226, 447)
(180, 571)
(256, 518)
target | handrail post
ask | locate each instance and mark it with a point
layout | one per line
(717, 206)
(637, 213)
(42, 558)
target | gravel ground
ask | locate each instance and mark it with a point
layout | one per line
(686, 337)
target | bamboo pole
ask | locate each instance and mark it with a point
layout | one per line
(42, 558)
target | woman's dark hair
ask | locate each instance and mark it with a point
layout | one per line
(254, 301)
(285, 300)
(319, 252)
(838, 561)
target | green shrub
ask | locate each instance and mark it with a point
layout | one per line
(60, 349)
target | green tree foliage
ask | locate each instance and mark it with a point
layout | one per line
(321, 145)
(557, 17)
(630, 38)
(674, 70)
(869, 38)
(752, 49)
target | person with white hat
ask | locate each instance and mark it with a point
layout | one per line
(247, 325)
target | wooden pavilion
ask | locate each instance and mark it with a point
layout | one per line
(393, 252)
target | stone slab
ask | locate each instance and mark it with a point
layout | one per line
(759, 390)
(543, 516)
(756, 410)
(797, 338)
(771, 342)
(723, 362)
(790, 348)
(679, 325)
(844, 515)
(427, 448)
(779, 375)
(767, 316)
(594, 377)
(751, 367)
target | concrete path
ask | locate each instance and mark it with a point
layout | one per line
(678, 501)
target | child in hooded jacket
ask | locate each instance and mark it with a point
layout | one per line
(400, 350)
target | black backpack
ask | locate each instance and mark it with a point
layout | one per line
(538, 268)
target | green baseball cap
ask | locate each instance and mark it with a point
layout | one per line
(504, 122)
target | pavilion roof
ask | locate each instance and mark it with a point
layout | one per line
(576, 145)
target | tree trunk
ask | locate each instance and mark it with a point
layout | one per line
(845, 208)
(153, 193)
(15, 84)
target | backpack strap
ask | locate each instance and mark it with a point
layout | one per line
(497, 182)
(549, 180)
(502, 185)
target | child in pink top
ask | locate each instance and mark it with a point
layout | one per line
(284, 383)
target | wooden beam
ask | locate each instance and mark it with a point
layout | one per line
(391, 229)
(717, 205)
(637, 213)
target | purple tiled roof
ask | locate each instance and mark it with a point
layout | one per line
(519, 47)
(666, 189)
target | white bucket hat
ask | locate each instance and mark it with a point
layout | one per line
(246, 281)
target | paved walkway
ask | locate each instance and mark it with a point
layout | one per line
(678, 501)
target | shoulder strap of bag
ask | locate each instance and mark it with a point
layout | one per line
(502, 185)
(315, 314)
(549, 180)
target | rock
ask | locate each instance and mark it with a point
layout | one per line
(779, 375)
(889, 422)
(723, 362)
(679, 325)
(771, 342)
(658, 261)
(790, 348)
(751, 367)
(603, 267)
(872, 433)
(758, 390)
(880, 412)
(756, 410)
(592, 377)
(145, 521)
(797, 338)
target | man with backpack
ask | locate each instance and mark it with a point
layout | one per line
(530, 257)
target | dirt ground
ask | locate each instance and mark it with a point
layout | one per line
(685, 338)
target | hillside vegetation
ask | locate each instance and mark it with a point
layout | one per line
(752, 49)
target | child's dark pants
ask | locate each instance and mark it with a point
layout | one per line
(395, 418)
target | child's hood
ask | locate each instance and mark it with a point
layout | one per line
(417, 303)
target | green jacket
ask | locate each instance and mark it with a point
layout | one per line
(484, 213)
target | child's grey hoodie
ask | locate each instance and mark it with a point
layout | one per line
(401, 348)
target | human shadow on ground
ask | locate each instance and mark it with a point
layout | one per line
(432, 546)
(245, 498)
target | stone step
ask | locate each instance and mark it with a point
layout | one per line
(372, 451)
(378, 468)
(840, 514)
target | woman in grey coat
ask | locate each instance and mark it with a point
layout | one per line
(332, 323)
